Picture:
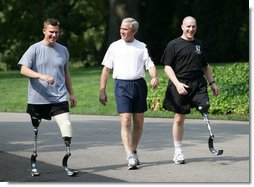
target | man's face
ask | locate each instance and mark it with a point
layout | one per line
(51, 34)
(126, 31)
(189, 28)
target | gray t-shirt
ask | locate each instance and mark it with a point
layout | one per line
(46, 60)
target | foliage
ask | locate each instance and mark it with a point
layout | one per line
(233, 81)
(87, 26)
(234, 87)
(161, 22)
(82, 27)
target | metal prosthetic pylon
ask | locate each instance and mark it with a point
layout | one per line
(34, 170)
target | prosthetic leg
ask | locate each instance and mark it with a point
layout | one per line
(65, 127)
(66, 130)
(35, 122)
(203, 111)
(70, 172)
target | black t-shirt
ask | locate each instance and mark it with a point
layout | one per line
(185, 57)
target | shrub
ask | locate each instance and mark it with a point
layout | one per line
(233, 81)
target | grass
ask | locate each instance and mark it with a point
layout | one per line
(13, 95)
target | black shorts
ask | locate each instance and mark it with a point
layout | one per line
(131, 96)
(46, 111)
(181, 104)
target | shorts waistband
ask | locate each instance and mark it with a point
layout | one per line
(135, 80)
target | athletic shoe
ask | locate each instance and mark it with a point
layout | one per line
(136, 157)
(132, 162)
(179, 158)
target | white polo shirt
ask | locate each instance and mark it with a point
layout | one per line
(127, 59)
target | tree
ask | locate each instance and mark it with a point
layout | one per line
(82, 27)
(89, 26)
(222, 26)
(119, 9)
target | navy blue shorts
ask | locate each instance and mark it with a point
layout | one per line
(131, 96)
(45, 111)
(181, 104)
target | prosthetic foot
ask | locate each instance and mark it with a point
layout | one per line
(70, 172)
(34, 170)
(211, 137)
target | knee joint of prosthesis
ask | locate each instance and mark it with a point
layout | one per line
(203, 109)
(64, 124)
(67, 141)
(35, 121)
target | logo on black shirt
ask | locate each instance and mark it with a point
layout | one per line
(198, 51)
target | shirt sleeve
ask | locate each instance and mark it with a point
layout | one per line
(168, 55)
(147, 59)
(108, 58)
(27, 58)
(67, 58)
(204, 59)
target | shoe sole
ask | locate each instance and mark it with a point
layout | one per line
(179, 162)
(132, 167)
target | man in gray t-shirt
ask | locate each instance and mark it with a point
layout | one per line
(45, 63)
(50, 61)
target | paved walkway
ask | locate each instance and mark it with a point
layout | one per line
(97, 151)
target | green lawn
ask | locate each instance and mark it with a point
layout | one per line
(13, 95)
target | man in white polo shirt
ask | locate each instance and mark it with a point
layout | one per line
(129, 58)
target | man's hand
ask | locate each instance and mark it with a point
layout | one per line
(73, 101)
(103, 97)
(49, 79)
(154, 82)
(215, 89)
(181, 88)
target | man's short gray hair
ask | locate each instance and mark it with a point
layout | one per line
(134, 23)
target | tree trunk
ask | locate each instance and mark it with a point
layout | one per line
(119, 9)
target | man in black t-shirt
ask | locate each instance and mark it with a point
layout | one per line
(185, 65)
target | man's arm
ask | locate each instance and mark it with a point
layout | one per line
(172, 76)
(207, 70)
(103, 84)
(153, 73)
(32, 74)
(69, 87)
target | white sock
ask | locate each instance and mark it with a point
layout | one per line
(178, 146)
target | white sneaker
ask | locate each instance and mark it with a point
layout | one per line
(132, 162)
(179, 158)
(136, 157)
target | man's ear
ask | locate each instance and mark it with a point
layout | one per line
(182, 27)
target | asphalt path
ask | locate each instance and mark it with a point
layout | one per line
(98, 153)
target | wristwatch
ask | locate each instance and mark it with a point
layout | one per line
(211, 83)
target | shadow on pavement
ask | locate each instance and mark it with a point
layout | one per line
(17, 169)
